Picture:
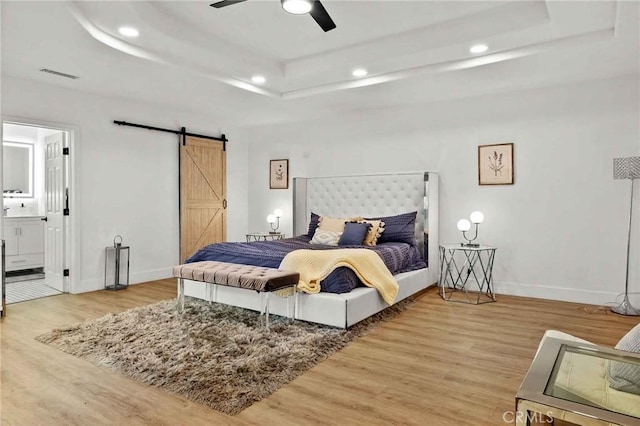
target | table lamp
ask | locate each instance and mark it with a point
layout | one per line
(274, 220)
(464, 225)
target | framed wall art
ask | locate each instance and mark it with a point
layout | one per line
(279, 174)
(495, 164)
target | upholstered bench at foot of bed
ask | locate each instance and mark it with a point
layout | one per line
(258, 278)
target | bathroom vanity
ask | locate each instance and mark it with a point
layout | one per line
(24, 242)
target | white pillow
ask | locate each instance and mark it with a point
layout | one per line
(327, 238)
(624, 376)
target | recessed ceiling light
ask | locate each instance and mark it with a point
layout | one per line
(479, 48)
(359, 72)
(128, 31)
(297, 7)
(258, 79)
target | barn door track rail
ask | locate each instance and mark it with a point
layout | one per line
(182, 132)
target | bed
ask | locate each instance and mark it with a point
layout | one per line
(368, 196)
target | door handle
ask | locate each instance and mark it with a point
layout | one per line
(44, 218)
(224, 203)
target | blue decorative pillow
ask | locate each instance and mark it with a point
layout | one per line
(399, 228)
(313, 224)
(354, 234)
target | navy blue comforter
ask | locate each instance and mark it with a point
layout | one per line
(398, 257)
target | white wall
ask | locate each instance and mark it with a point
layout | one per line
(127, 178)
(560, 230)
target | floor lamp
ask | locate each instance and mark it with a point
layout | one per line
(627, 168)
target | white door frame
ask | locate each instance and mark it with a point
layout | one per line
(72, 240)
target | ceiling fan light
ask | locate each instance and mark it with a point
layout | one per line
(297, 7)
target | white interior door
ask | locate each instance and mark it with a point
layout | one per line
(54, 226)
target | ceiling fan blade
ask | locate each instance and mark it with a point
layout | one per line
(224, 3)
(321, 16)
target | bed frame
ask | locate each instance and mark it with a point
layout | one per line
(370, 195)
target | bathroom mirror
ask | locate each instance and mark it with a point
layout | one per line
(17, 170)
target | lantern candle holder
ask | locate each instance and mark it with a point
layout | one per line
(116, 266)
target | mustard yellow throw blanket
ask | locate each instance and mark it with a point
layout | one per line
(315, 265)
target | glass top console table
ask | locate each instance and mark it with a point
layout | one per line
(568, 381)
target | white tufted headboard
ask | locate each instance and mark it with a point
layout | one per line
(370, 196)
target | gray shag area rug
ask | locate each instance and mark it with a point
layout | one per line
(213, 354)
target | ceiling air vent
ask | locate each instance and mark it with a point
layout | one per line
(59, 74)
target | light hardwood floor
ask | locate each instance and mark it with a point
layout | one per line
(438, 363)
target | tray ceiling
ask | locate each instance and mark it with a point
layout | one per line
(404, 45)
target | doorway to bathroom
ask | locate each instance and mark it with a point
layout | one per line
(35, 187)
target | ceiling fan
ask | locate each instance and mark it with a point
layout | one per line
(297, 7)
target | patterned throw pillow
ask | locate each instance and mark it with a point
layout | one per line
(333, 224)
(621, 375)
(399, 228)
(327, 238)
(374, 233)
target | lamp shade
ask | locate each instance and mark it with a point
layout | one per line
(277, 212)
(271, 218)
(626, 168)
(477, 217)
(464, 225)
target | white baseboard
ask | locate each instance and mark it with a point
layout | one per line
(95, 284)
(144, 276)
(576, 295)
(86, 286)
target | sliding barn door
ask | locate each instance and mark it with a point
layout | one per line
(203, 193)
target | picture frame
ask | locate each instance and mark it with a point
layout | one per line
(279, 174)
(495, 164)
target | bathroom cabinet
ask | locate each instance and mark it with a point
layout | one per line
(24, 243)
